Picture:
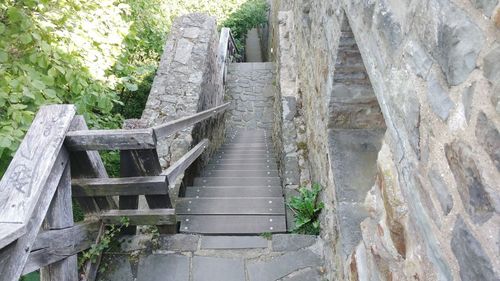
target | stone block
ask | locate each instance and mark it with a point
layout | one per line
(475, 197)
(281, 266)
(119, 269)
(473, 262)
(218, 269)
(418, 59)
(467, 96)
(183, 51)
(459, 42)
(438, 99)
(292, 242)
(487, 6)
(488, 136)
(441, 191)
(179, 242)
(233, 242)
(491, 65)
(170, 267)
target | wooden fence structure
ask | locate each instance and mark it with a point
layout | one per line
(58, 162)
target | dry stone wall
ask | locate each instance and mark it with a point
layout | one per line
(433, 211)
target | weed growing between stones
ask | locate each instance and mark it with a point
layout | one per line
(107, 241)
(306, 209)
(266, 235)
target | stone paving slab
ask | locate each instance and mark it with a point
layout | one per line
(281, 266)
(218, 269)
(171, 267)
(310, 274)
(233, 242)
(292, 242)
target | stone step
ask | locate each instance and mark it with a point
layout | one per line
(233, 191)
(241, 161)
(255, 167)
(246, 145)
(240, 173)
(237, 181)
(245, 152)
(231, 206)
(263, 156)
(206, 224)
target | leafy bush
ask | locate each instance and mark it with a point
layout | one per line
(252, 13)
(100, 55)
(306, 210)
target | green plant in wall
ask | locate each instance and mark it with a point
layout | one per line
(105, 242)
(306, 208)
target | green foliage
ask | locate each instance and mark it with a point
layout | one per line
(266, 235)
(33, 276)
(306, 210)
(100, 55)
(78, 214)
(252, 13)
(107, 239)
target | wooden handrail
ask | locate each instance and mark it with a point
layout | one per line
(182, 164)
(179, 124)
(136, 138)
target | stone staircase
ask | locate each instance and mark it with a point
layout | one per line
(238, 192)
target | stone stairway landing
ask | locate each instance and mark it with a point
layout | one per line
(238, 192)
(186, 257)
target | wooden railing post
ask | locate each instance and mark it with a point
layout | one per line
(30, 182)
(142, 162)
(60, 216)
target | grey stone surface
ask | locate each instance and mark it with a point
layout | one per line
(467, 96)
(488, 136)
(459, 43)
(441, 190)
(179, 242)
(250, 88)
(491, 65)
(121, 269)
(419, 60)
(477, 201)
(218, 269)
(281, 266)
(473, 261)
(486, 5)
(233, 242)
(292, 242)
(438, 98)
(309, 274)
(171, 267)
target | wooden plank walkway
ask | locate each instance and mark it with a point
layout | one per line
(238, 192)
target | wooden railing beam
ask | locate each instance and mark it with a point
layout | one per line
(152, 185)
(141, 217)
(179, 124)
(185, 161)
(110, 139)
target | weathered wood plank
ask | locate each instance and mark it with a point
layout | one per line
(120, 186)
(54, 245)
(182, 164)
(140, 217)
(136, 163)
(179, 124)
(60, 216)
(88, 164)
(26, 176)
(14, 256)
(9, 232)
(110, 139)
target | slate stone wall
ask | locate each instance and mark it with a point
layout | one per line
(434, 69)
(187, 82)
